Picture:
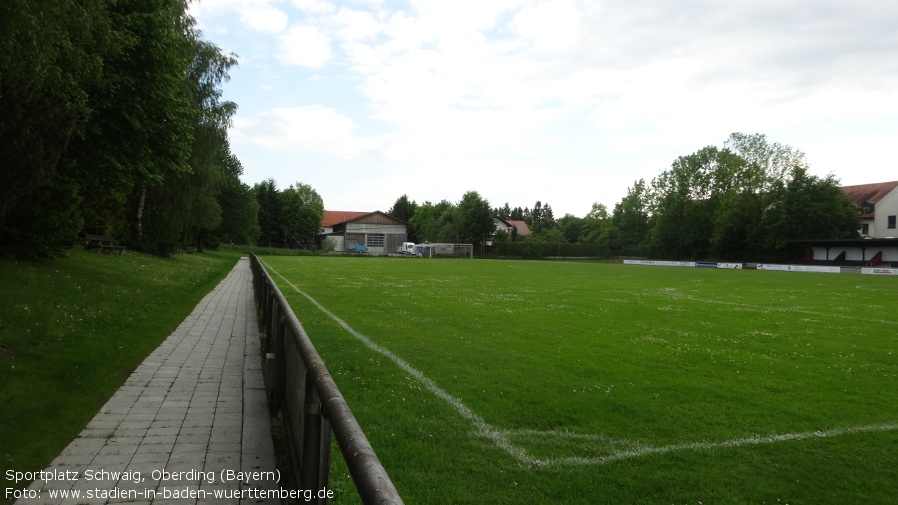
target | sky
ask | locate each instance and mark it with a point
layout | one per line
(566, 102)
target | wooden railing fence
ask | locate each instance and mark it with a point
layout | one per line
(313, 409)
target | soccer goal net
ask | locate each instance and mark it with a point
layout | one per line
(440, 250)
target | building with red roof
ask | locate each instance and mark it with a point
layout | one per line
(380, 233)
(878, 205)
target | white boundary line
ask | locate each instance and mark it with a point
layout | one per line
(501, 437)
(710, 446)
(481, 427)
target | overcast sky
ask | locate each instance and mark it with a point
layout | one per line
(563, 101)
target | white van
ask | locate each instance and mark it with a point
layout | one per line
(408, 249)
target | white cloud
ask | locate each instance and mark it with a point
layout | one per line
(356, 25)
(552, 26)
(305, 46)
(608, 92)
(314, 128)
(258, 15)
(264, 18)
(315, 6)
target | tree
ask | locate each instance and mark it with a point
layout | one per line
(114, 109)
(687, 198)
(48, 60)
(476, 219)
(428, 220)
(594, 228)
(535, 218)
(738, 229)
(630, 221)
(403, 209)
(571, 227)
(239, 208)
(50, 55)
(210, 150)
(267, 196)
(503, 212)
(302, 212)
(747, 200)
(142, 99)
(807, 207)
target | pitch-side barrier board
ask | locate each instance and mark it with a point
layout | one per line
(762, 266)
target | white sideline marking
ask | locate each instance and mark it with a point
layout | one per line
(501, 437)
(706, 446)
(481, 426)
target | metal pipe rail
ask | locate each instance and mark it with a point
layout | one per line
(300, 387)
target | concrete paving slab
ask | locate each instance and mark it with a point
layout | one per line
(184, 409)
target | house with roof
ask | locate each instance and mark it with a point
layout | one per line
(379, 232)
(878, 205)
(512, 227)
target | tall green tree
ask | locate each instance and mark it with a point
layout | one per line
(403, 209)
(428, 220)
(267, 196)
(630, 221)
(595, 225)
(143, 127)
(572, 227)
(49, 59)
(807, 207)
(738, 231)
(113, 109)
(239, 208)
(476, 219)
(50, 56)
(302, 212)
(688, 195)
(747, 200)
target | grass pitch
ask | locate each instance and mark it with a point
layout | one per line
(564, 382)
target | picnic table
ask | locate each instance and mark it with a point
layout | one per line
(102, 243)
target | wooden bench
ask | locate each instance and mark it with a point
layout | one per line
(102, 243)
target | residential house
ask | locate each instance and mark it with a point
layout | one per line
(878, 204)
(512, 227)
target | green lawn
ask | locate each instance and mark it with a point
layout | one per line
(73, 329)
(566, 382)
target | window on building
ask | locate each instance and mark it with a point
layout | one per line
(865, 229)
(891, 221)
(375, 240)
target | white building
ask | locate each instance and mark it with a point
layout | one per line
(878, 205)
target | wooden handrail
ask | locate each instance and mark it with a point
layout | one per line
(315, 408)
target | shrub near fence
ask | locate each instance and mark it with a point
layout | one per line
(534, 250)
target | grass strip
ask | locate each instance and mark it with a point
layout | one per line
(71, 332)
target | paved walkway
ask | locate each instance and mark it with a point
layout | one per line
(191, 421)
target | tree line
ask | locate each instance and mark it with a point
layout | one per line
(750, 199)
(290, 217)
(112, 121)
